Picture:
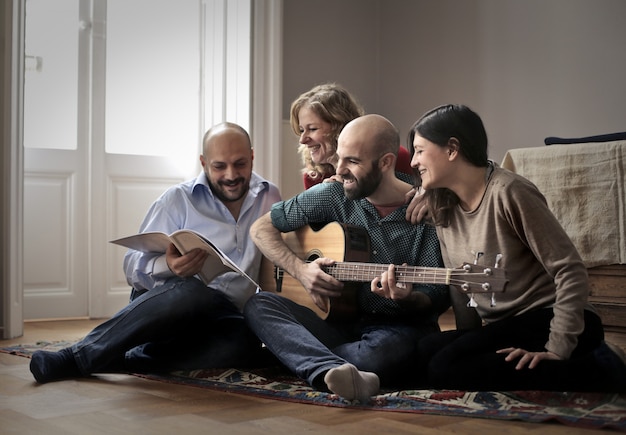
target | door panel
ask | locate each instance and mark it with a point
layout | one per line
(55, 257)
(133, 183)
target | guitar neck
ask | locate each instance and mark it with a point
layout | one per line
(349, 243)
(365, 272)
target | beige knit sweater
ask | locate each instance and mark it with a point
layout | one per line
(542, 265)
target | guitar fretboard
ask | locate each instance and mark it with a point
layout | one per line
(363, 272)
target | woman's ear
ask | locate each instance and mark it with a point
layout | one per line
(453, 146)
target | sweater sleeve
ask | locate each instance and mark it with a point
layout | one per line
(551, 246)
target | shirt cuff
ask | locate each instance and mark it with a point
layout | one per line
(160, 268)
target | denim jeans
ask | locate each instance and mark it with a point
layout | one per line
(310, 346)
(180, 325)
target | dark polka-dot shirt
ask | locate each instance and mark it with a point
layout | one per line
(393, 240)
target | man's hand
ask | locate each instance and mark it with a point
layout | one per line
(417, 209)
(320, 285)
(387, 286)
(186, 265)
(525, 357)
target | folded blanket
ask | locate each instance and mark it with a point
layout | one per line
(585, 187)
(610, 137)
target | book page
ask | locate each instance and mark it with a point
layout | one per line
(145, 242)
(216, 263)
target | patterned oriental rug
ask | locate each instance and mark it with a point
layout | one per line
(582, 410)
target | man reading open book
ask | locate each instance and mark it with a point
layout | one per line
(173, 320)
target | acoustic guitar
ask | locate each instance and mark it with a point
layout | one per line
(350, 247)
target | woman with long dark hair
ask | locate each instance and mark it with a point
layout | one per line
(540, 333)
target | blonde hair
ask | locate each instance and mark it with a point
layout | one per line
(334, 105)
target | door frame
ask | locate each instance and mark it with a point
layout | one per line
(12, 17)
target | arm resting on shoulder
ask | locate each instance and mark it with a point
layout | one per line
(417, 210)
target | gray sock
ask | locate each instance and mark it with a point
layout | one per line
(350, 383)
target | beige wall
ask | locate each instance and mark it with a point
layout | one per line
(530, 68)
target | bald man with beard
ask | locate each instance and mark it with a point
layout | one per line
(174, 321)
(352, 358)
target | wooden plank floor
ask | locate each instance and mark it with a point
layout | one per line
(112, 404)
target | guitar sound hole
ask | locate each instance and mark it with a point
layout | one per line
(313, 255)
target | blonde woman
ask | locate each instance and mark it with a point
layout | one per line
(318, 116)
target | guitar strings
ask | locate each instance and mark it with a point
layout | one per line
(347, 271)
(363, 272)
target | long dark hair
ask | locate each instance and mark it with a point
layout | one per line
(438, 126)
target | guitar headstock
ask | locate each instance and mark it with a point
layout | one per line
(474, 278)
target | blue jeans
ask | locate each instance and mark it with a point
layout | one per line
(310, 346)
(180, 325)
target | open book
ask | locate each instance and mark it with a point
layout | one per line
(216, 263)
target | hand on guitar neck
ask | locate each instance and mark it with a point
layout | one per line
(388, 286)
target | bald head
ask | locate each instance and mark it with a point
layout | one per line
(367, 151)
(376, 134)
(225, 130)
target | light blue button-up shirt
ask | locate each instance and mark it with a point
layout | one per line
(192, 205)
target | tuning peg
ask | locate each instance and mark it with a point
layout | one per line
(498, 258)
(493, 295)
(478, 255)
(472, 302)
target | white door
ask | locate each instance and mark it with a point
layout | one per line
(55, 163)
(118, 94)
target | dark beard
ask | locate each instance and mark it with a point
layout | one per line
(217, 191)
(365, 186)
